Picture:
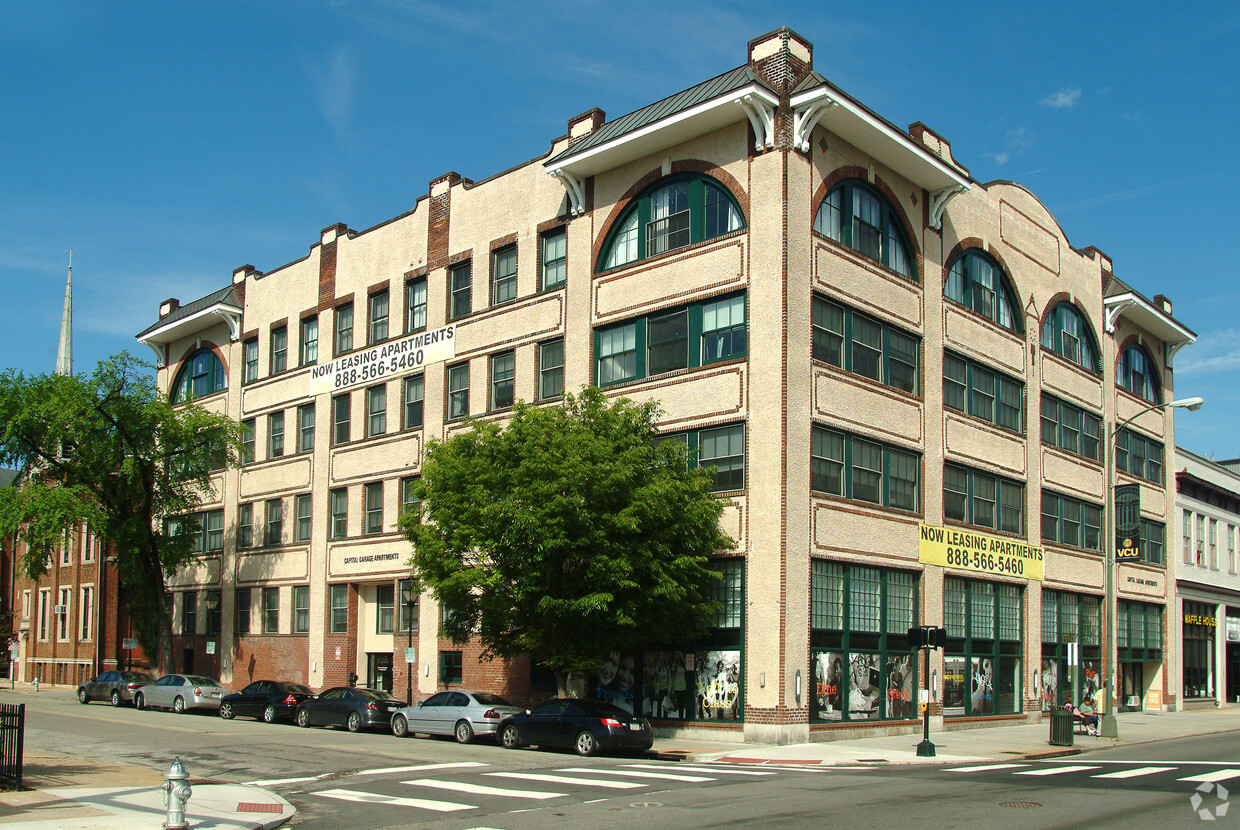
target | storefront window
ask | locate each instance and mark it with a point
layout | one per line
(981, 664)
(1200, 625)
(863, 667)
(1069, 618)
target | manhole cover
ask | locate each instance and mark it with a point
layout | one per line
(1020, 805)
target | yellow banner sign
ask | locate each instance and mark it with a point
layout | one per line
(954, 548)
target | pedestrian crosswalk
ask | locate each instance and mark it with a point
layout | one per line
(1188, 772)
(455, 795)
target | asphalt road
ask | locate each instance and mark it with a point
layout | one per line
(364, 781)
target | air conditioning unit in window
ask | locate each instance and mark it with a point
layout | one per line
(1132, 700)
(60, 609)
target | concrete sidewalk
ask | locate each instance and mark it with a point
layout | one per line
(72, 793)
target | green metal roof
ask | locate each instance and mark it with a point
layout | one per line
(707, 90)
(196, 306)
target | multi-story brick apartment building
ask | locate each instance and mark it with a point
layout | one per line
(891, 365)
(1205, 618)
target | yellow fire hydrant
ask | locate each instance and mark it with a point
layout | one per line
(176, 795)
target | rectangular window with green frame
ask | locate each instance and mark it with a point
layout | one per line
(1139, 456)
(667, 341)
(865, 346)
(863, 666)
(983, 499)
(976, 390)
(982, 658)
(852, 467)
(1071, 428)
(720, 447)
(1138, 631)
(1070, 521)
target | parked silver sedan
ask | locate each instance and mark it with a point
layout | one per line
(180, 693)
(459, 714)
(116, 687)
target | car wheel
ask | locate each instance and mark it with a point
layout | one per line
(178, 705)
(226, 711)
(464, 732)
(586, 744)
(139, 701)
(83, 697)
(269, 714)
(400, 726)
(116, 698)
(354, 723)
(303, 717)
(510, 738)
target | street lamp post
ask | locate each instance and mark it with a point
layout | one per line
(1110, 726)
(407, 597)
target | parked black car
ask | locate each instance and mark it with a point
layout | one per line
(351, 708)
(117, 687)
(271, 700)
(585, 726)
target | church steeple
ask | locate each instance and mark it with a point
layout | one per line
(64, 354)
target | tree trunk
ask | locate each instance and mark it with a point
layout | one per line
(561, 683)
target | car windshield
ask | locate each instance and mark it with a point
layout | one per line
(491, 700)
(375, 695)
(594, 707)
(295, 688)
(137, 676)
(197, 680)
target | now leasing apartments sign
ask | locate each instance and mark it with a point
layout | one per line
(953, 548)
(384, 361)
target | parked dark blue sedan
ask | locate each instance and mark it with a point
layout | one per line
(271, 700)
(585, 726)
(354, 709)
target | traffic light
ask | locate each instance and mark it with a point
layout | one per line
(927, 636)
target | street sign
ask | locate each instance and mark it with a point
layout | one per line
(129, 644)
(1127, 521)
(411, 655)
(210, 646)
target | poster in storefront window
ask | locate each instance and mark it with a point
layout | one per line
(664, 688)
(900, 687)
(865, 687)
(1050, 684)
(954, 670)
(1091, 680)
(982, 688)
(615, 680)
(718, 685)
(829, 685)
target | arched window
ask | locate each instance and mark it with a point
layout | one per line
(1136, 374)
(855, 215)
(676, 212)
(978, 283)
(1068, 335)
(201, 375)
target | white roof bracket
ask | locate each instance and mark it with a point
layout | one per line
(576, 192)
(806, 118)
(762, 118)
(1115, 307)
(233, 319)
(938, 204)
(160, 350)
(1172, 348)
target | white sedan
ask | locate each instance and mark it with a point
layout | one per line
(459, 714)
(180, 693)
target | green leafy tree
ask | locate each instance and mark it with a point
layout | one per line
(110, 451)
(567, 534)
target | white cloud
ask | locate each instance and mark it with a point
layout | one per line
(335, 86)
(1216, 351)
(999, 158)
(1020, 139)
(1063, 99)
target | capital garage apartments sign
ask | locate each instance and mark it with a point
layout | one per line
(385, 360)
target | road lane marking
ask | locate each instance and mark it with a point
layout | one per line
(564, 779)
(394, 801)
(1055, 770)
(479, 789)
(701, 768)
(986, 768)
(1134, 773)
(1217, 775)
(274, 782)
(421, 768)
(667, 776)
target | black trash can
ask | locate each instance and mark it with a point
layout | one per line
(1062, 727)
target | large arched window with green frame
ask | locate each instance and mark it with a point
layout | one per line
(857, 216)
(978, 283)
(1136, 374)
(202, 374)
(1067, 334)
(677, 211)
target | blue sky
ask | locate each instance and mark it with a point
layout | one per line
(169, 143)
